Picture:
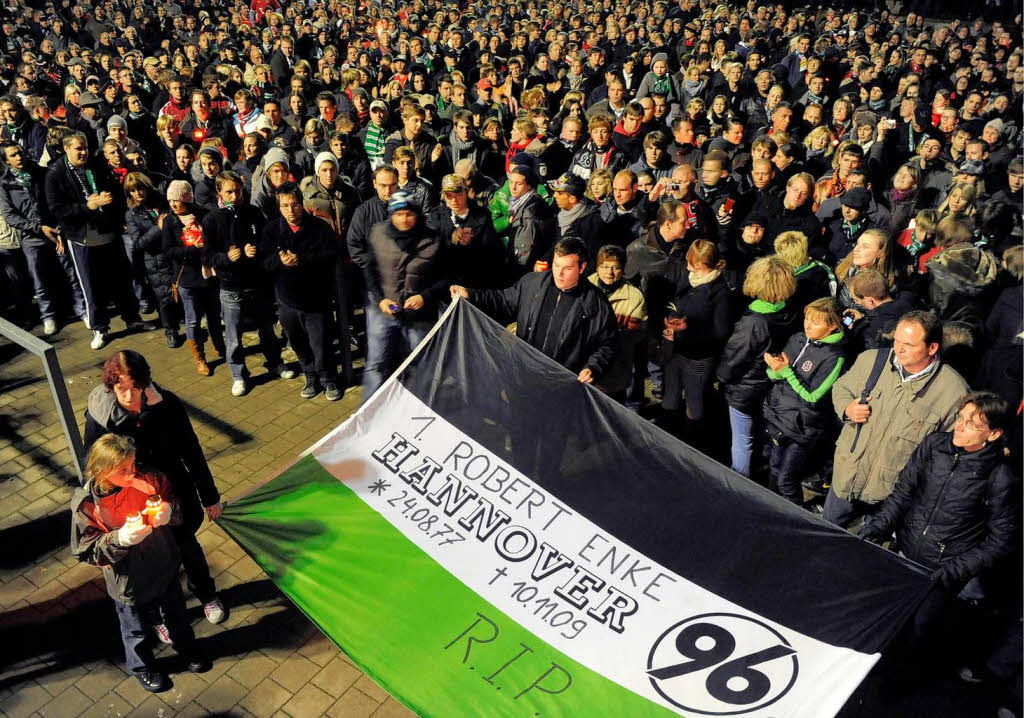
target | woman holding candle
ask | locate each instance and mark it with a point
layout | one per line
(122, 523)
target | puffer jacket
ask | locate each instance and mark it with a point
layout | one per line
(961, 281)
(23, 207)
(903, 413)
(335, 205)
(763, 328)
(794, 406)
(135, 575)
(951, 508)
(406, 264)
(144, 234)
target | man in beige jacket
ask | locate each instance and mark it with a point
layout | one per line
(915, 394)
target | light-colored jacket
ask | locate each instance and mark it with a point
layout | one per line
(902, 415)
(631, 316)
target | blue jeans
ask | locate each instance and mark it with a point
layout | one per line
(199, 302)
(742, 440)
(388, 343)
(46, 267)
(236, 308)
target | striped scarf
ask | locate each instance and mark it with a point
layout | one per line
(374, 143)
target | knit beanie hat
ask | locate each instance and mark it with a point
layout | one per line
(180, 191)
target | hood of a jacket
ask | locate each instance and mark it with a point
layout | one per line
(104, 409)
(964, 268)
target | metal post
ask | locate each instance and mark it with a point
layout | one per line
(55, 378)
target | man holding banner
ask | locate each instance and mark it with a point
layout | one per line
(566, 319)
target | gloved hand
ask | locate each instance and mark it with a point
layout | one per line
(130, 535)
(162, 515)
(946, 576)
(870, 533)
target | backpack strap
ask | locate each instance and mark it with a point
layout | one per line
(881, 357)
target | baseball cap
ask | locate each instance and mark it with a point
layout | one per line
(453, 183)
(571, 183)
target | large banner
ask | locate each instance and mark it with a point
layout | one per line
(488, 537)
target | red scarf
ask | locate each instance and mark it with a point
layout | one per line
(515, 148)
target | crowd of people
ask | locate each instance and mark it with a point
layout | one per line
(796, 228)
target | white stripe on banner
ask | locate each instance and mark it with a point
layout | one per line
(587, 593)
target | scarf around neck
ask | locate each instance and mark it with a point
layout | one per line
(708, 278)
(566, 218)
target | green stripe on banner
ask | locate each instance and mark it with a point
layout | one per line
(407, 622)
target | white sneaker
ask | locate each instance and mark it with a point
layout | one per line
(85, 321)
(49, 327)
(238, 387)
(214, 611)
(282, 371)
(162, 633)
(98, 339)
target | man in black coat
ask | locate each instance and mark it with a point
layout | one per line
(87, 200)
(567, 319)
(129, 403)
(474, 254)
(793, 211)
(577, 215)
(299, 252)
(369, 213)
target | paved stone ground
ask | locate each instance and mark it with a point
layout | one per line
(61, 654)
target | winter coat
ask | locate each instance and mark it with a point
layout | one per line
(186, 262)
(165, 442)
(306, 285)
(631, 317)
(621, 228)
(423, 146)
(589, 227)
(481, 263)
(708, 326)
(590, 158)
(66, 200)
(335, 205)
(875, 329)
(229, 227)
(763, 328)
(406, 264)
(951, 508)
(366, 215)
(531, 233)
(814, 280)
(143, 233)
(903, 413)
(961, 280)
(660, 273)
(797, 405)
(587, 338)
(23, 208)
(801, 219)
(135, 575)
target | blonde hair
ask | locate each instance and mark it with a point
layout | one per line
(791, 248)
(967, 193)
(881, 262)
(108, 453)
(769, 279)
(597, 178)
(134, 181)
(817, 132)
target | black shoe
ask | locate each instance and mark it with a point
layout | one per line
(199, 664)
(311, 389)
(153, 682)
(173, 339)
(332, 392)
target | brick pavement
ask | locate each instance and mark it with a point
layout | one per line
(61, 652)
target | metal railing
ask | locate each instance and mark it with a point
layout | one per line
(55, 378)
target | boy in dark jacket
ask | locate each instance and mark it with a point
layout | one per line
(232, 233)
(803, 374)
(299, 252)
(121, 523)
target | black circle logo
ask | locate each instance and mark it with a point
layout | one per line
(722, 664)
